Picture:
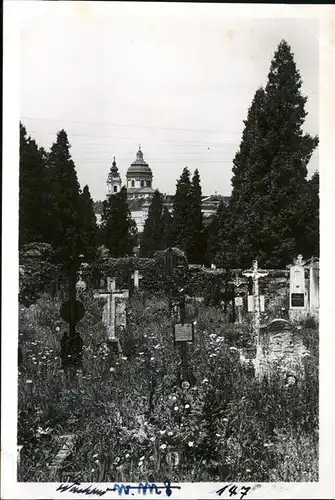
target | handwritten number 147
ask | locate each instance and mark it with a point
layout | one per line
(233, 490)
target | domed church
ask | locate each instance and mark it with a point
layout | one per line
(138, 179)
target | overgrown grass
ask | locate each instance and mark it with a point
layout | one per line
(128, 413)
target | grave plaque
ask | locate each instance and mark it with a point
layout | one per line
(297, 299)
(172, 458)
(238, 301)
(183, 332)
(65, 311)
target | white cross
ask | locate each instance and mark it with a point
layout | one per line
(255, 274)
(137, 277)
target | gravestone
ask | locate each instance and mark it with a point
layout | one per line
(136, 277)
(280, 353)
(313, 295)
(297, 296)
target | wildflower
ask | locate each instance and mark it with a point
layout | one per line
(185, 385)
(174, 398)
(205, 381)
(225, 420)
(152, 359)
(233, 348)
(97, 462)
(152, 438)
(140, 353)
(162, 432)
(218, 435)
(163, 446)
(117, 460)
(112, 369)
(127, 455)
(247, 470)
(142, 458)
(187, 406)
(170, 433)
(29, 381)
(124, 358)
(190, 443)
(176, 408)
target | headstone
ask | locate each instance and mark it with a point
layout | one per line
(298, 305)
(280, 352)
(314, 301)
(136, 277)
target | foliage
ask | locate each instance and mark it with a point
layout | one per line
(118, 230)
(128, 413)
(197, 244)
(269, 182)
(151, 240)
(65, 224)
(167, 236)
(88, 225)
(33, 188)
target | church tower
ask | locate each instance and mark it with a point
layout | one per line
(113, 180)
(139, 178)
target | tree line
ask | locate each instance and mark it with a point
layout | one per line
(273, 212)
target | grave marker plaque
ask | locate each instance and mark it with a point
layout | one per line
(297, 289)
(183, 332)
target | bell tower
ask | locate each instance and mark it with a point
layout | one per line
(113, 180)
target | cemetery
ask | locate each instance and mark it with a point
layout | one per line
(126, 374)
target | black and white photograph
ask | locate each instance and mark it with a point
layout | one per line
(165, 287)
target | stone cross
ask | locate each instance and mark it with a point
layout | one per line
(112, 294)
(256, 274)
(136, 276)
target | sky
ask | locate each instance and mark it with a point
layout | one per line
(176, 78)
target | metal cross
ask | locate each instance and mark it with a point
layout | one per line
(256, 274)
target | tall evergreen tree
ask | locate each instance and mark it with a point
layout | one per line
(118, 230)
(88, 224)
(215, 235)
(33, 189)
(182, 228)
(309, 230)
(167, 236)
(270, 169)
(196, 247)
(151, 240)
(65, 224)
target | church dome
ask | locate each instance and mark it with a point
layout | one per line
(139, 166)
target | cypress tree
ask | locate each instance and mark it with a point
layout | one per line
(33, 191)
(151, 240)
(270, 170)
(65, 223)
(167, 236)
(182, 228)
(118, 230)
(88, 224)
(196, 247)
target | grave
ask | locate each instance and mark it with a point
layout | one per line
(313, 291)
(136, 277)
(115, 311)
(280, 353)
(297, 296)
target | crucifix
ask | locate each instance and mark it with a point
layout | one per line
(256, 274)
(136, 277)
